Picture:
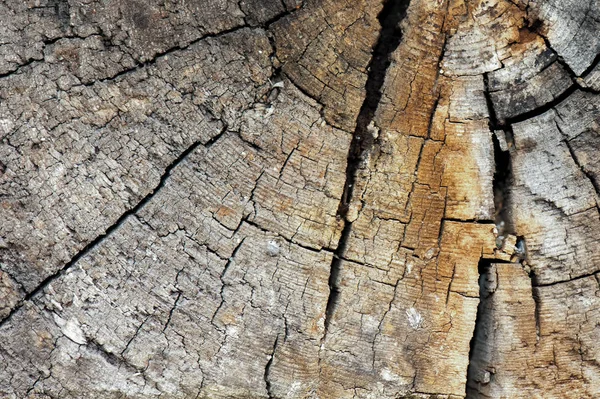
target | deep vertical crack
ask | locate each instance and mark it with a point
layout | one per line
(266, 376)
(390, 36)
(479, 348)
(502, 183)
(482, 334)
(503, 166)
(537, 302)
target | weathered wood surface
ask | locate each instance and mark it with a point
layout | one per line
(287, 199)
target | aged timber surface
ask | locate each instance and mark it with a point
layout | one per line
(300, 199)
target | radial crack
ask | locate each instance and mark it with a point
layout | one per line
(479, 346)
(111, 229)
(390, 37)
(268, 366)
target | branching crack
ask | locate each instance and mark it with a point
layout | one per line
(576, 85)
(536, 26)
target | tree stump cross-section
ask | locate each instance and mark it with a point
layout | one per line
(300, 199)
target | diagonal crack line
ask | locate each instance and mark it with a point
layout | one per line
(535, 27)
(390, 36)
(111, 229)
(18, 67)
(31, 60)
(111, 357)
(542, 108)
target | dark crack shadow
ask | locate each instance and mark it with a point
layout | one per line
(390, 36)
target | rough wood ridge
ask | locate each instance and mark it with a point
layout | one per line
(294, 199)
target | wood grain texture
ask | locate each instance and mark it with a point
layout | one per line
(299, 199)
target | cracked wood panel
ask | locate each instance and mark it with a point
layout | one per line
(299, 200)
(544, 334)
(77, 158)
(536, 334)
(99, 39)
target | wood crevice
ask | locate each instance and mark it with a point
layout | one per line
(116, 225)
(390, 36)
